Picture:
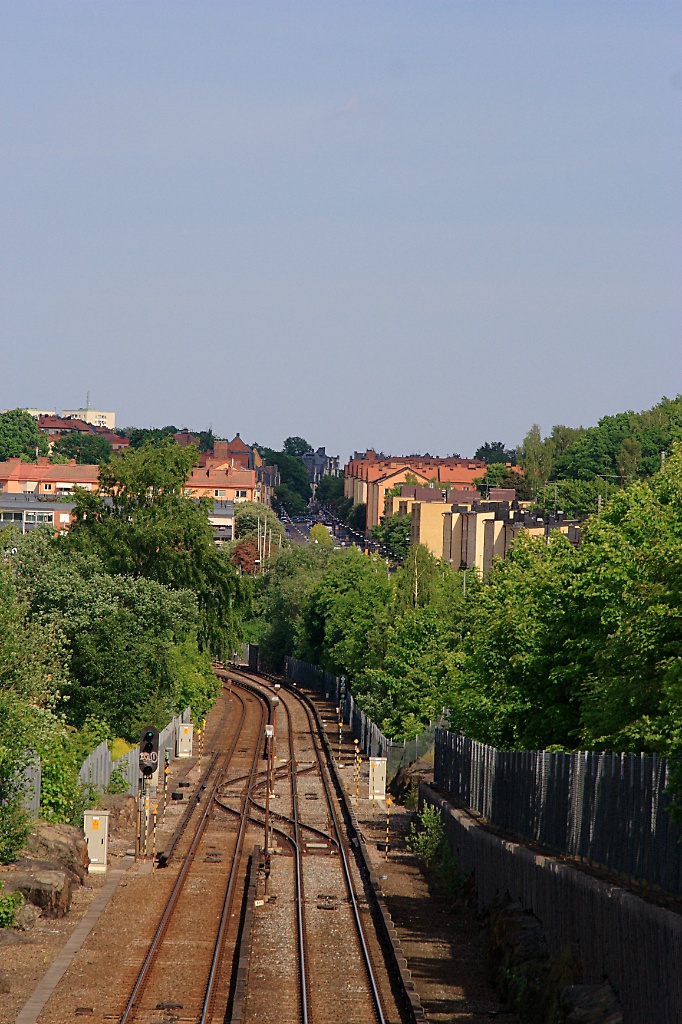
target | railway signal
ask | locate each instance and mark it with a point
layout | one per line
(149, 751)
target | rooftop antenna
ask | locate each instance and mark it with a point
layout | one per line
(87, 402)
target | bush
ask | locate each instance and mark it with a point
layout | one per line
(10, 905)
(118, 781)
(14, 825)
(428, 842)
(426, 838)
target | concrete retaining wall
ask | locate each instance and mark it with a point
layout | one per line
(635, 945)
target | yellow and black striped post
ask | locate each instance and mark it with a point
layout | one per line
(154, 813)
(388, 823)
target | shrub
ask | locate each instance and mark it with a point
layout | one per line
(118, 782)
(428, 842)
(10, 905)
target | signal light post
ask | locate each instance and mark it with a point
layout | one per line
(149, 764)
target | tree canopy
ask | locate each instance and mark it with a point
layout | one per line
(296, 446)
(142, 524)
(86, 449)
(20, 437)
(494, 451)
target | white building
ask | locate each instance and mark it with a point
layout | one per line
(94, 416)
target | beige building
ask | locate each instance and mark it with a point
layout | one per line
(94, 416)
(473, 535)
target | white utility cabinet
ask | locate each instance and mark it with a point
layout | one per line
(377, 778)
(96, 828)
(185, 736)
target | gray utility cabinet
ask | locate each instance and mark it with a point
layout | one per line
(185, 735)
(96, 828)
(377, 778)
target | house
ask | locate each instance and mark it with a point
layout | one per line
(184, 438)
(44, 479)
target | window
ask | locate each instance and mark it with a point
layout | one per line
(219, 492)
(240, 494)
(10, 517)
(40, 517)
(47, 487)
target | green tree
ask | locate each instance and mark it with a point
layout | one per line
(357, 517)
(140, 436)
(492, 452)
(294, 477)
(32, 672)
(394, 534)
(296, 446)
(281, 600)
(86, 449)
(536, 457)
(142, 524)
(248, 515)
(329, 490)
(20, 437)
(320, 535)
(344, 613)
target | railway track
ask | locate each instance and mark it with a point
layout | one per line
(187, 969)
(321, 954)
(314, 956)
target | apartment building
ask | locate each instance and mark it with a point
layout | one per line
(474, 533)
(368, 475)
(223, 484)
(94, 416)
(26, 511)
(42, 478)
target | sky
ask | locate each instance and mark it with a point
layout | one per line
(412, 226)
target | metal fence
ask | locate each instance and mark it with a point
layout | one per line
(611, 810)
(372, 741)
(31, 794)
(96, 770)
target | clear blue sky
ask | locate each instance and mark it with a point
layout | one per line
(411, 225)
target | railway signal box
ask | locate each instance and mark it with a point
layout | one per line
(149, 751)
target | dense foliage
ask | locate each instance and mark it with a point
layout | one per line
(393, 534)
(107, 629)
(619, 450)
(293, 494)
(86, 449)
(142, 524)
(559, 646)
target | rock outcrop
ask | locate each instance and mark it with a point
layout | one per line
(46, 884)
(63, 844)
